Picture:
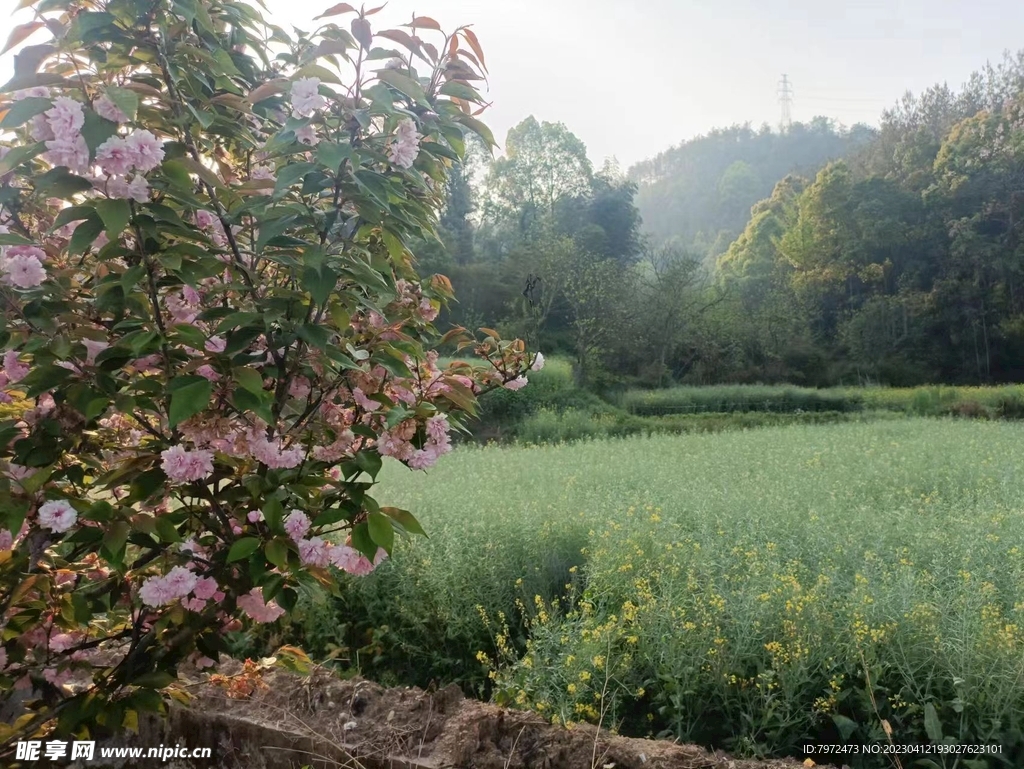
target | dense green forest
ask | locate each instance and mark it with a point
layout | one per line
(817, 256)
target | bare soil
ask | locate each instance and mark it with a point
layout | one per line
(324, 722)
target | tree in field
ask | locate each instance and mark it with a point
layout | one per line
(212, 330)
(543, 163)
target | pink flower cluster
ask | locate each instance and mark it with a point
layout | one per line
(57, 515)
(397, 443)
(177, 584)
(140, 151)
(259, 610)
(22, 266)
(315, 551)
(184, 466)
(305, 96)
(62, 132)
(406, 144)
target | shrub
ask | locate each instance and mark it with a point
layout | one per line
(209, 303)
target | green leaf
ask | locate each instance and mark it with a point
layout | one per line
(243, 548)
(932, 726)
(405, 519)
(115, 213)
(85, 234)
(250, 379)
(460, 91)
(124, 99)
(190, 335)
(25, 110)
(115, 538)
(331, 155)
(19, 155)
(319, 282)
(166, 529)
(277, 553)
(362, 541)
(478, 128)
(97, 130)
(188, 398)
(403, 83)
(316, 336)
(61, 183)
(381, 531)
(845, 726)
(158, 679)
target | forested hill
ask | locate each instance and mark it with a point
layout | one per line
(699, 193)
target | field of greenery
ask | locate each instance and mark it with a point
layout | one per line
(749, 590)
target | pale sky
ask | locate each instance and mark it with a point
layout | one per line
(634, 78)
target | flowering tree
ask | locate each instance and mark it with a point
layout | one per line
(211, 311)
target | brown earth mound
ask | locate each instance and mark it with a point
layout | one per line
(321, 721)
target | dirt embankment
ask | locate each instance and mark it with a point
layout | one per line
(321, 721)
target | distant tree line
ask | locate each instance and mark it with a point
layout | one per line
(817, 256)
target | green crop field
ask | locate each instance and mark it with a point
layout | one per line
(752, 590)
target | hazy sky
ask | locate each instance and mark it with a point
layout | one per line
(633, 78)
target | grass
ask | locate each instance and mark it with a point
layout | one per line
(1004, 401)
(737, 589)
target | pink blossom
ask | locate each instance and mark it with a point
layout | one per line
(305, 96)
(424, 458)
(516, 384)
(364, 403)
(93, 349)
(207, 372)
(39, 129)
(205, 588)
(215, 344)
(61, 642)
(66, 118)
(73, 153)
(6, 543)
(138, 189)
(262, 172)
(254, 516)
(307, 135)
(57, 515)
(177, 583)
(314, 552)
(57, 677)
(259, 610)
(296, 524)
(115, 157)
(182, 465)
(147, 150)
(14, 370)
(24, 270)
(191, 296)
(406, 144)
(437, 427)
(354, 562)
(205, 219)
(427, 310)
(538, 362)
(299, 387)
(272, 454)
(35, 92)
(194, 604)
(106, 108)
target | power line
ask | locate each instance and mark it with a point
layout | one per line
(786, 100)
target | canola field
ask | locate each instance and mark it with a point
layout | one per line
(753, 591)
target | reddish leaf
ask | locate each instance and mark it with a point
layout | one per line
(361, 32)
(267, 90)
(400, 37)
(431, 52)
(336, 10)
(453, 47)
(423, 22)
(375, 10)
(470, 37)
(19, 33)
(468, 55)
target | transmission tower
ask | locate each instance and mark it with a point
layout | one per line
(786, 100)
